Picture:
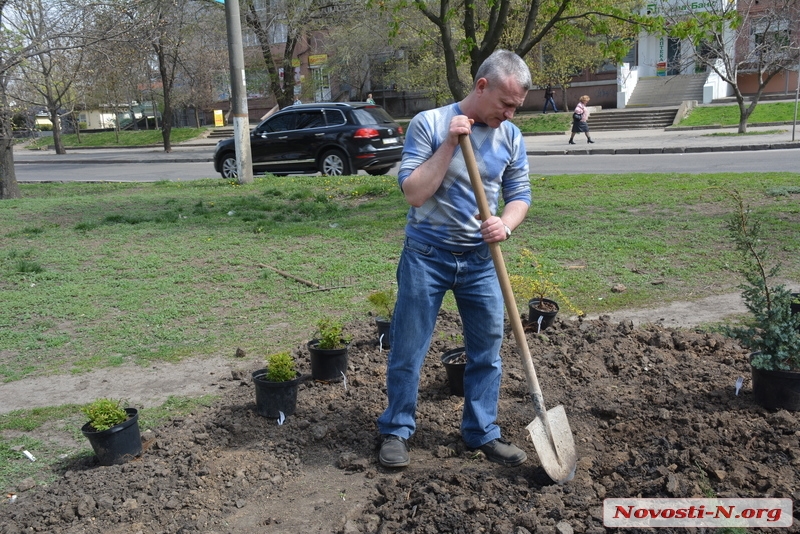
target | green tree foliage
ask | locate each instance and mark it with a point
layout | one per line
(469, 32)
(774, 332)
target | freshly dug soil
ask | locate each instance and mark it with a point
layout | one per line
(653, 411)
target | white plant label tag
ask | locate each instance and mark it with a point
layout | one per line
(281, 418)
(539, 323)
(739, 382)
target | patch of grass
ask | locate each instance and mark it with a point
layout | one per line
(729, 115)
(539, 123)
(28, 267)
(126, 138)
(737, 134)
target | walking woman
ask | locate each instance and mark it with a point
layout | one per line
(580, 124)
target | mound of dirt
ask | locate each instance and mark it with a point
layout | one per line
(653, 411)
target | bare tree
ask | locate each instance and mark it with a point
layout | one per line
(287, 22)
(18, 46)
(171, 18)
(201, 61)
(752, 38)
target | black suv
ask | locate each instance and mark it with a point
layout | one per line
(332, 138)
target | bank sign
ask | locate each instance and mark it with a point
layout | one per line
(684, 7)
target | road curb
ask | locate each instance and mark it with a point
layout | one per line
(664, 150)
(60, 161)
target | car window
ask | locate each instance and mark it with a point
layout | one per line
(312, 118)
(372, 115)
(278, 123)
(335, 117)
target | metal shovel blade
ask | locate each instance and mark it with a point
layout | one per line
(558, 457)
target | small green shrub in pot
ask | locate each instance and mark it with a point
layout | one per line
(772, 333)
(383, 303)
(537, 284)
(105, 413)
(281, 367)
(331, 334)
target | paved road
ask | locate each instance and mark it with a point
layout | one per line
(769, 149)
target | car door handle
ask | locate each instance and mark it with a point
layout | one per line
(320, 134)
(283, 137)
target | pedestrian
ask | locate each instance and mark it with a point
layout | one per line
(298, 101)
(579, 120)
(447, 248)
(548, 100)
(370, 100)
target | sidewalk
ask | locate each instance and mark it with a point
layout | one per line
(662, 141)
(657, 141)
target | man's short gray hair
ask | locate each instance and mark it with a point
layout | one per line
(502, 64)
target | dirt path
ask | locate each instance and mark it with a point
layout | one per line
(151, 386)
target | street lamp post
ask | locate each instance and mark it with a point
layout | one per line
(241, 120)
(796, 95)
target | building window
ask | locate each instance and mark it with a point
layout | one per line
(271, 13)
(769, 37)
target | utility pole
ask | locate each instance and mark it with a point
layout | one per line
(241, 120)
(796, 97)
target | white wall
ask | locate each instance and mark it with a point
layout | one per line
(627, 78)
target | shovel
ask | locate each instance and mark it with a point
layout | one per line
(550, 431)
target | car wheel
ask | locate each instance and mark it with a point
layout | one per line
(228, 166)
(378, 172)
(334, 163)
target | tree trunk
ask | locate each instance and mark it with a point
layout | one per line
(9, 188)
(744, 112)
(166, 84)
(58, 143)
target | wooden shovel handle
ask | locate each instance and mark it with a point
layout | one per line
(505, 283)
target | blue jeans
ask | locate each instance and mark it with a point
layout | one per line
(424, 274)
(551, 102)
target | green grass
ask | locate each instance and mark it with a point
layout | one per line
(53, 435)
(736, 134)
(729, 115)
(126, 138)
(140, 273)
(539, 123)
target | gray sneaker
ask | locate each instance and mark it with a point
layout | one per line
(503, 452)
(394, 452)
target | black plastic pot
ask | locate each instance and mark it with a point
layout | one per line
(776, 390)
(327, 365)
(118, 444)
(383, 325)
(793, 306)
(547, 316)
(272, 398)
(455, 362)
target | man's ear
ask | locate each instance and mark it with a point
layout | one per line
(481, 84)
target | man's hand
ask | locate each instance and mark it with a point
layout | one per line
(493, 229)
(426, 179)
(459, 125)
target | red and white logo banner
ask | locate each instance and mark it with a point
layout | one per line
(709, 513)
